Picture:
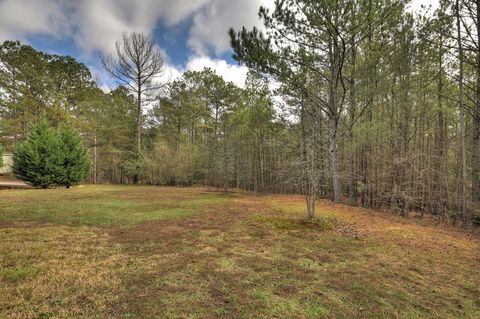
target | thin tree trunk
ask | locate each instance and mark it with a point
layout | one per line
(438, 185)
(138, 141)
(311, 176)
(139, 121)
(333, 150)
(225, 161)
(476, 116)
(352, 189)
(462, 120)
(332, 115)
(95, 159)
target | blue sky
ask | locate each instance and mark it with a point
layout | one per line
(191, 33)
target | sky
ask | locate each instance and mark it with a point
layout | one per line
(192, 34)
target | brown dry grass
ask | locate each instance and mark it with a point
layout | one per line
(231, 256)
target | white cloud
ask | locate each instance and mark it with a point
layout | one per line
(99, 24)
(19, 18)
(234, 73)
(95, 25)
(212, 21)
(170, 73)
(230, 72)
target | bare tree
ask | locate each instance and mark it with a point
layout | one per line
(138, 61)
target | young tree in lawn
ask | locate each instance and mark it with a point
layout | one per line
(76, 164)
(38, 160)
(136, 65)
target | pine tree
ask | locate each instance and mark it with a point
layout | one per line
(76, 164)
(38, 160)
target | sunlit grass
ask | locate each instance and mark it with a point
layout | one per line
(96, 205)
(153, 252)
(57, 272)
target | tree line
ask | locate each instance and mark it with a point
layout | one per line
(360, 101)
(390, 99)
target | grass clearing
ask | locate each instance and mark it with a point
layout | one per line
(158, 252)
(101, 206)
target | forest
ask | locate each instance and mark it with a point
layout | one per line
(361, 102)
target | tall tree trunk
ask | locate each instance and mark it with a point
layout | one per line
(333, 150)
(311, 174)
(462, 119)
(308, 144)
(95, 160)
(333, 118)
(136, 177)
(225, 160)
(352, 187)
(139, 121)
(476, 116)
(440, 139)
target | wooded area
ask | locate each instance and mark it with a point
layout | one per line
(354, 100)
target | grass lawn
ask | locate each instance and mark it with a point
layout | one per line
(159, 252)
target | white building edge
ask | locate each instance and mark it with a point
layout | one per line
(7, 164)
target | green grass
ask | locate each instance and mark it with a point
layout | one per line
(97, 206)
(17, 274)
(154, 252)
